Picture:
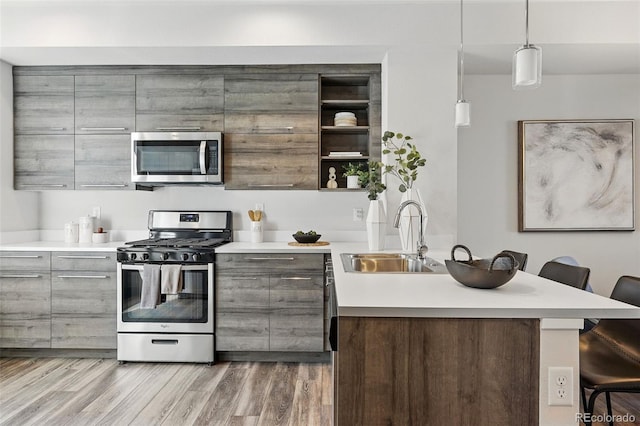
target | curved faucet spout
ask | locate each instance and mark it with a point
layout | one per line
(422, 247)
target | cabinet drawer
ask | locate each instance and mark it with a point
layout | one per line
(25, 295)
(83, 293)
(25, 261)
(83, 332)
(20, 333)
(83, 261)
(233, 263)
(297, 291)
(243, 292)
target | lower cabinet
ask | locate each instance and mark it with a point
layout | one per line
(25, 300)
(270, 302)
(83, 300)
(61, 300)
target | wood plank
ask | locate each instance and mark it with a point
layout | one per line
(277, 410)
(430, 371)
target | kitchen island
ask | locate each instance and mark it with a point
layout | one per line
(424, 349)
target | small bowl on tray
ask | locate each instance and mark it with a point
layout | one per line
(306, 238)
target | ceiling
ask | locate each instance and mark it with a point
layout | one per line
(577, 36)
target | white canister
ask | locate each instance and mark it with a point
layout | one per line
(71, 232)
(86, 227)
(256, 231)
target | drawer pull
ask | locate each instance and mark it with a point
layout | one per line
(102, 277)
(45, 185)
(20, 276)
(247, 278)
(273, 129)
(179, 128)
(296, 278)
(106, 129)
(104, 185)
(272, 258)
(164, 341)
(20, 256)
(271, 185)
(83, 257)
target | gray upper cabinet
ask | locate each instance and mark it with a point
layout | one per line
(105, 104)
(105, 117)
(43, 126)
(179, 102)
(271, 131)
(43, 162)
(43, 104)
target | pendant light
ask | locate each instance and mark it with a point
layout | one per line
(463, 108)
(527, 61)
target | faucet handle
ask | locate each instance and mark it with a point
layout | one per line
(422, 251)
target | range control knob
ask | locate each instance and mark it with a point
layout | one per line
(132, 256)
(145, 256)
(195, 257)
(185, 256)
(165, 256)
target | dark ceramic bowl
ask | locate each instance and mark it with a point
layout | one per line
(306, 239)
(482, 273)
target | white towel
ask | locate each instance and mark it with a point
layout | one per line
(150, 292)
(171, 279)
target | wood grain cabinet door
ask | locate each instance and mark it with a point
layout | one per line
(179, 102)
(271, 131)
(25, 300)
(105, 104)
(297, 312)
(43, 105)
(103, 162)
(43, 162)
(83, 300)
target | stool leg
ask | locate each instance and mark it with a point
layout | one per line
(583, 396)
(609, 412)
(592, 404)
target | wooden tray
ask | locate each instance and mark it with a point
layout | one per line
(317, 243)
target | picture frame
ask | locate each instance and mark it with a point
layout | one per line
(576, 175)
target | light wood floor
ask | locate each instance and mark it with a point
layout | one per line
(621, 403)
(58, 391)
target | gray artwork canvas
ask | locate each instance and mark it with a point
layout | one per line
(576, 175)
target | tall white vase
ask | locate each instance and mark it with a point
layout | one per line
(376, 225)
(410, 220)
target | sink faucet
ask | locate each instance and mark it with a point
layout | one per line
(422, 247)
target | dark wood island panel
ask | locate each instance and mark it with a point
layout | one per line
(437, 371)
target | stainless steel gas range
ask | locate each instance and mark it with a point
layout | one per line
(166, 288)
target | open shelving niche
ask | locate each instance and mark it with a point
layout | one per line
(343, 93)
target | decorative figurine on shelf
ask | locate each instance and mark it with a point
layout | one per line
(331, 183)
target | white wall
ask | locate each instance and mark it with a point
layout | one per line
(18, 209)
(488, 172)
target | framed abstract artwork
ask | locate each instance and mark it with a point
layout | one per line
(576, 175)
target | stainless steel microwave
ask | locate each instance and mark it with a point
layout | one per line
(176, 157)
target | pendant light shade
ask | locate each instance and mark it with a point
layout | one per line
(463, 113)
(527, 61)
(463, 108)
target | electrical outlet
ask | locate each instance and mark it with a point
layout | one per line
(561, 386)
(358, 215)
(95, 212)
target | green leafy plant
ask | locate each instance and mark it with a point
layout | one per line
(407, 159)
(371, 179)
(352, 169)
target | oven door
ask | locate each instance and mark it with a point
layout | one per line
(189, 311)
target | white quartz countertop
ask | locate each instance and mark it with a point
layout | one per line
(61, 246)
(439, 295)
(270, 247)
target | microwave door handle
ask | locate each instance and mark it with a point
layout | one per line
(203, 157)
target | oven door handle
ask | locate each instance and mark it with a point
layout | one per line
(203, 157)
(140, 267)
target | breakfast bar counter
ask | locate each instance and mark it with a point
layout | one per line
(421, 348)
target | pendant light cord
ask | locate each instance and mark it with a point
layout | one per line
(526, 23)
(461, 68)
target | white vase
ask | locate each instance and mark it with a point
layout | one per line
(376, 225)
(352, 182)
(410, 220)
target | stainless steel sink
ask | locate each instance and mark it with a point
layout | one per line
(390, 263)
